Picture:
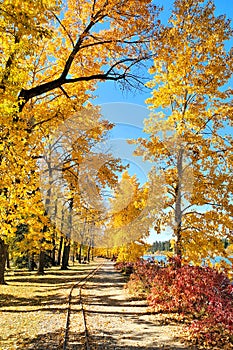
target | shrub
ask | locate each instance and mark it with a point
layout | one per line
(202, 292)
(124, 267)
(202, 295)
(142, 277)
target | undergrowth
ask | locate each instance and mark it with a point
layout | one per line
(201, 295)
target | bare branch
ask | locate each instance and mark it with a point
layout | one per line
(64, 28)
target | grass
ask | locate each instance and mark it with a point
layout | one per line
(33, 308)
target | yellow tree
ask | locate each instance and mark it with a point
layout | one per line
(52, 54)
(86, 174)
(67, 177)
(129, 219)
(189, 132)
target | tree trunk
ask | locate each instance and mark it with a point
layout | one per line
(61, 238)
(80, 254)
(7, 257)
(59, 251)
(66, 249)
(54, 237)
(65, 256)
(178, 208)
(2, 261)
(74, 252)
(53, 252)
(41, 263)
(88, 253)
(178, 247)
(31, 262)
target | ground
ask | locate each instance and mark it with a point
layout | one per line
(33, 313)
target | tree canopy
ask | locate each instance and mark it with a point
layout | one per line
(190, 139)
(52, 55)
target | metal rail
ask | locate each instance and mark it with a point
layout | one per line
(79, 284)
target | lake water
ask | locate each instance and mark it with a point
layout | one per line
(159, 258)
(163, 258)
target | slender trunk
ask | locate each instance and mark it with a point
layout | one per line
(66, 250)
(31, 262)
(53, 255)
(7, 257)
(2, 261)
(61, 238)
(65, 255)
(77, 256)
(53, 252)
(60, 250)
(80, 254)
(178, 208)
(41, 263)
(74, 252)
(88, 253)
(178, 246)
(42, 252)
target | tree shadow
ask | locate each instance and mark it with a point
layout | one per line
(76, 341)
(101, 340)
(46, 341)
(58, 277)
(9, 300)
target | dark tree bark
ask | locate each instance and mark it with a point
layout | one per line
(66, 250)
(2, 261)
(41, 263)
(80, 254)
(7, 257)
(31, 262)
(65, 256)
(88, 253)
(74, 254)
(53, 252)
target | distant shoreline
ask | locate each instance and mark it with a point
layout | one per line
(159, 256)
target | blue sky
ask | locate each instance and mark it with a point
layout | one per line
(127, 110)
(110, 92)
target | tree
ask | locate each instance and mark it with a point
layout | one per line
(52, 55)
(159, 246)
(188, 139)
(129, 219)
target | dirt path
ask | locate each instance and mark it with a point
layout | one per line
(117, 322)
(33, 313)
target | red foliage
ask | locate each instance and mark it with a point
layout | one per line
(142, 277)
(193, 289)
(145, 271)
(200, 292)
(124, 267)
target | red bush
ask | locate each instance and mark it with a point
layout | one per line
(124, 267)
(202, 292)
(142, 277)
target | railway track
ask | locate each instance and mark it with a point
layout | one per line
(84, 345)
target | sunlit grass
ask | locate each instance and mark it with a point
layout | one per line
(33, 308)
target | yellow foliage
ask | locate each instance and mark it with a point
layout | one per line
(131, 252)
(52, 55)
(190, 107)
